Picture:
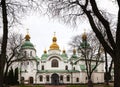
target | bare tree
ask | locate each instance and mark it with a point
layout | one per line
(11, 13)
(13, 47)
(90, 49)
(74, 9)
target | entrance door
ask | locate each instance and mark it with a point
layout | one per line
(31, 80)
(55, 79)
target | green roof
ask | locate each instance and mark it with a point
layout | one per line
(84, 44)
(37, 58)
(82, 67)
(74, 57)
(57, 71)
(64, 56)
(27, 44)
(44, 56)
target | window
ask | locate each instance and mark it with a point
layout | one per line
(47, 78)
(77, 79)
(27, 63)
(68, 78)
(25, 53)
(42, 67)
(74, 68)
(66, 67)
(41, 78)
(30, 53)
(61, 77)
(22, 80)
(54, 63)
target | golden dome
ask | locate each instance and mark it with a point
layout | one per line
(27, 37)
(45, 51)
(64, 51)
(74, 51)
(84, 36)
(54, 45)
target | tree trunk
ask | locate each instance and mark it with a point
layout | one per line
(90, 83)
(117, 70)
(106, 69)
(4, 41)
(5, 74)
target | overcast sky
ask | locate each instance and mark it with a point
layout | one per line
(41, 30)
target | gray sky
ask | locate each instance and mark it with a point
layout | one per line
(41, 29)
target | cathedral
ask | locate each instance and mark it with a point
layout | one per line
(54, 66)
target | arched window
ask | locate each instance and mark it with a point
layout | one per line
(47, 78)
(74, 68)
(41, 78)
(66, 67)
(77, 79)
(42, 67)
(68, 78)
(54, 63)
(61, 77)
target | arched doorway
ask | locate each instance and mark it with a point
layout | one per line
(22, 80)
(55, 79)
(31, 80)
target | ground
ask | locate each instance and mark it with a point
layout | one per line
(98, 85)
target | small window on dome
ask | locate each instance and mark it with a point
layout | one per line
(30, 53)
(25, 53)
(74, 68)
(66, 67)
(27, 63)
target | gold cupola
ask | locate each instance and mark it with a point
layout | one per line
(45, 51)
(74, 51)
(64, 51)
(27, 37)
(54, 45)
(84, 36)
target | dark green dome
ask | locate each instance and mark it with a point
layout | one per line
(84, 44)
(64, 56)
(27, 44)
(44, 56)
(74, 56)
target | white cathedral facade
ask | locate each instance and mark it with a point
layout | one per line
(54, 66)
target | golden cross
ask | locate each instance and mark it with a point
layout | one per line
(27, 31)
(54, 33)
